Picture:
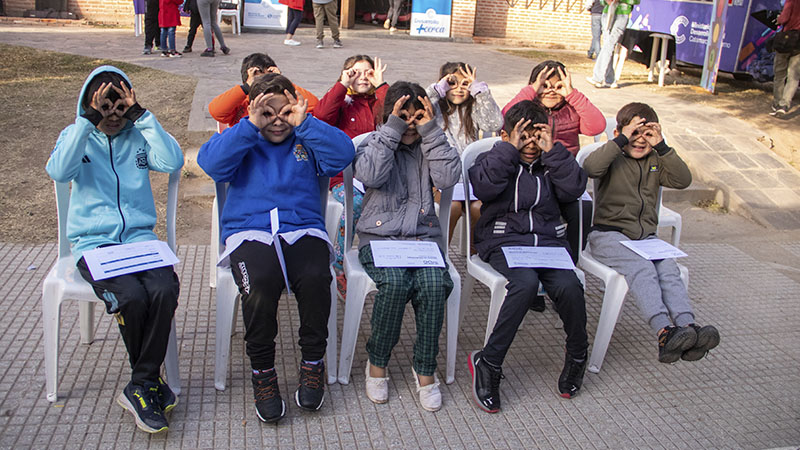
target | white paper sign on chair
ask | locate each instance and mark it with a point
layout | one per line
(539, 257)
(654, 249)
(396, 253)
(117, 260)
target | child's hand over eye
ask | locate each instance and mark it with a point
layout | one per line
(543, 136)
(564, 87)
(295, 111)
(252, 73)
(375, 76)
(425, 115)
(127, 98)
(518, 137)
(398, 111)
(543, 76)
(652, 133)
(469, 74)
(632, 127)
(100, 101)
(260, 113)
(348, 76)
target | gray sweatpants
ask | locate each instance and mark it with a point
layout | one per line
(655, 285)
(208, 13)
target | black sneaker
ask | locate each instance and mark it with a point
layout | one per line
(537, 304)
(166, 398)
(269, 404)
(707, 338)
(207, 52)
(673, 341)
(485, 383)
(147, 50)
(571, 379)
(187, 49)
(311, 389)
(165, 54)
(225, 50)
(142, 402)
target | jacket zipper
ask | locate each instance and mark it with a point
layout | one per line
(641, 199)
(536, 202)
(516, 190)
(119, 207)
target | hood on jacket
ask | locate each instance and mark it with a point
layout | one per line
(88, 81)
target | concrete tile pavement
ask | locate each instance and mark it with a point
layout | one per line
(744, 395)
(723, 152)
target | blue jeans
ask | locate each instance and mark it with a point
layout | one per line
(168, 33)
(597, 31)
(603, 67)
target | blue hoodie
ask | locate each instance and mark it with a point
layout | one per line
(263, 175)
(111, 201)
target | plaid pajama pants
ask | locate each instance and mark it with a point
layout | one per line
(428, 289)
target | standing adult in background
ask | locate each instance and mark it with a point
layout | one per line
(152, 32)
(595, 7)
(323, 8)
(295, 11)
(392, 15)
(614, 21)
(208, 14)
(787, 64)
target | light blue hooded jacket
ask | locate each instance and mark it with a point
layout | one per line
(111, 201)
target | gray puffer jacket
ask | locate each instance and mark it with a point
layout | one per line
(399, 180)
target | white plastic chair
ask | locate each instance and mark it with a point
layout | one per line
(359, 285)
(476, 267)
(234, 14)
(64, 282)
(228, 293)
(212, 261)
(608, 133)
(615, 287)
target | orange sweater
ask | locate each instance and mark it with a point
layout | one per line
(231, 105)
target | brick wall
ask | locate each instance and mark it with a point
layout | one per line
(552, 23)
(103, 11)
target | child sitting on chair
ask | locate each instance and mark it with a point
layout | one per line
(272, 159)
(400, 164)
(521, 181)
(630, 174)
(107, 154)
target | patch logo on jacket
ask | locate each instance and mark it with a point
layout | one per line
(654, 168)
(141, 159)
(300, 153)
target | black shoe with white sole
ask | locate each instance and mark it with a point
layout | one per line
(311, 388)
(269, 404)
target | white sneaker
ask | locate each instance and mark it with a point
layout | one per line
(291, 42)
(377, 388)
(392, 30)
(429, 396)
(386, 24)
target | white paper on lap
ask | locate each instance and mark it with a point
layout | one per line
(359, 185)
(538, 257)
(396, 253)
(124, 259)
(654, 249)
(458, 193)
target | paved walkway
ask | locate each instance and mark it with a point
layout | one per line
(745, 395)
(723, 152)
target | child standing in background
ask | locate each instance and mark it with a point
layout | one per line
(354, 105)
(465, 109)
(169, 17)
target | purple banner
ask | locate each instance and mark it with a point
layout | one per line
(689, 23)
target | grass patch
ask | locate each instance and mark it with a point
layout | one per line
(39, 93)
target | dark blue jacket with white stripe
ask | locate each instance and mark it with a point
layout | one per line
(520, 201)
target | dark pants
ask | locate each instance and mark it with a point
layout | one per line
(144, 304)
(570, 213)
(194, 23)
(257, 272)
(151, 29)
(294, 20)
(562, 286)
